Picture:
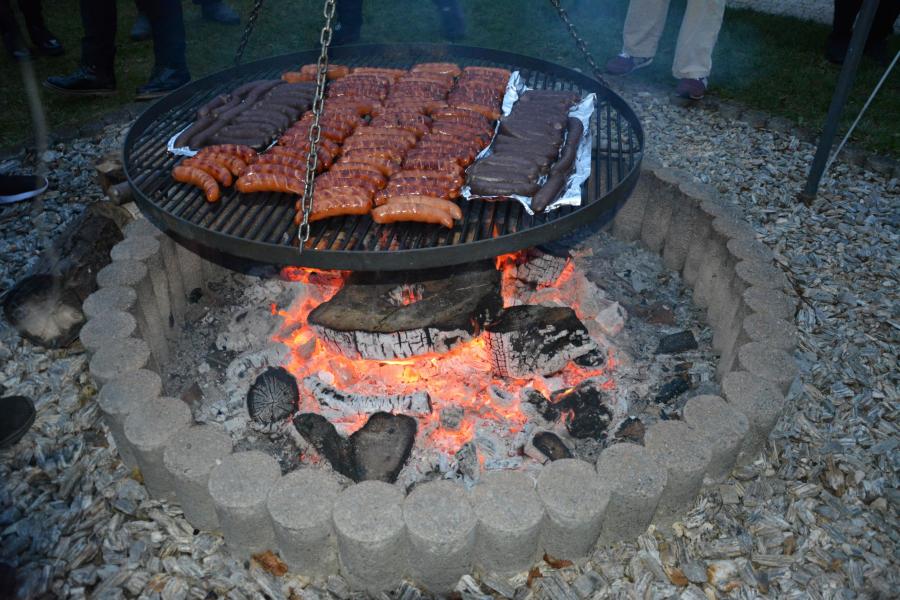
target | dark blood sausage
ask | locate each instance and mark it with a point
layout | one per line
(213, 104)
(502, 188)
(200, 179)
(516, 146)
(277, 120)
(574, 132)
(550, 192)
(199, 125)
(499, 170)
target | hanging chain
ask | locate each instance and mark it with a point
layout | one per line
(579, 42)
(315, 130)
(245, 37)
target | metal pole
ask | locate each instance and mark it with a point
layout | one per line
(841, 91)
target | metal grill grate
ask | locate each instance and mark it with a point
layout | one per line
(260, 227)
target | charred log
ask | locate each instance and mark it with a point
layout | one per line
(549, 444)
(587, 416)
(528, 340)
(335, 402)
(540, 267)
(321, 435)
(398, 315)
(273, 396)
(382, 446)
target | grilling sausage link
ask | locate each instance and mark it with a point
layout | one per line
(245, 153)
(217, 171)
(407, 211)
(269, 182)
(200, 179)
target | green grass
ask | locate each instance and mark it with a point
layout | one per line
(766, 62)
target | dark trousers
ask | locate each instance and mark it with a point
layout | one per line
(845, 12)
(31, 11)
(349, 15)
(98, 46)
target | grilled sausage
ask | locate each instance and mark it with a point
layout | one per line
(446, 205)
(442, 165)
(269, 182)
(234, 164)
(246, 154)
(216, 102)
(550, 192)
(336, 203)
(419, 189)
(199, 125)
(574, 132)
(200, 179)
(504, 188)
(276, 169)
(385, 166)
(407, 211)
(217, 171)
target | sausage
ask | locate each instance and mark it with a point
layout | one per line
(218, 172)
(391, 132)
(234, 164)
(331, 72)
(385, 71)
(463, 114)
(574, 132)
(283, 159)
(446, 205)
(269, 182)
(504, 188)
(348, 182)
(362, 172)
(245, 153)
(296, 77)
(487, 112)
(385, 166)
(277, 169)
(428, 155)
(335, 203)
(275, 119)
(300, 150)
(438, 67)
(241, 91)
(200, 179)
(297, 159)
(418, 189)
(550, 192)
(500, 175)
(443, 165)
(425, 175)
(492, 71)
(525, 147)
(216, 102)
(496, 163)
(199, 125)
(407, 211)
(392, 154)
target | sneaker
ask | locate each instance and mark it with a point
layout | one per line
(86, 81)
(15, 188)
(16, 418)
(141, 31)
(162, 81)
(623, 64)
(692, 89)
(219, 12)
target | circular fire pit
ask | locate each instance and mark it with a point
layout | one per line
(372, 531)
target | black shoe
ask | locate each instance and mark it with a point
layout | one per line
(343, 35)
(836, 49)
(162, 81)
(16, 417)
(86, 81)
(15, 47)
(140, 31)
(453, 22)
(45, 42)
(219, 12)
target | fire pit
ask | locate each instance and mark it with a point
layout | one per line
(468, 417)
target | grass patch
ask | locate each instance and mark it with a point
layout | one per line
(767, 62)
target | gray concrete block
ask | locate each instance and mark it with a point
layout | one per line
(138, 248)
(121, 396)
(635, 480)
(189, 457)
(658, 212)
(177, 294)
(141, 227)
(239, 486)
(510, 518)
(774, 303)
(685, 456)
(118, 357)
(300, 507)
(681, 230)
(108, 299)
(760, 401)
(575, 501)
(372, 545)
(440, 527)
(716, 285)
(722, 427)
(148, 250)
(749, 249)
(630, 217)
(101, 330)
(190, 267)
(756, 327)
(696, 252)
(148, 429)
(124, 273)
(768, 363)
(761, 274)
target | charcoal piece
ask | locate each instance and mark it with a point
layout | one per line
(544, 407)
(551, 446)
(632, 430)
(321, 434)
(594, 358)
(587, 416)
(368, 318)
(382, 446)
(273, 396)
(677, 342)
(673, 388)
(527, 340)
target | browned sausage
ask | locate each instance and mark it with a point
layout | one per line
(446, 205)
(199, 178)
(218, 172)
(269, 182)
(408, 211)
(245, 153)
(230, 162)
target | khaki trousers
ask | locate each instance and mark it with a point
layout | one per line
(696, 39)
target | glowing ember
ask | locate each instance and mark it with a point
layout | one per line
(458, 379)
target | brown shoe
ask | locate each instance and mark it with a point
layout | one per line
(692, 89)
(624, 64)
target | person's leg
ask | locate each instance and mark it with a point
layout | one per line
(697, 38)
(43, 39)
(95, 76)
(12, 36)
(218, 11)
(845, 12)
(644, 24)
(349, 17)
(882, 27)
(167, 25)
(453, 21)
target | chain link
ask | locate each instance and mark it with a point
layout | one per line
(579, 42)
(315, 130)
(248, 29)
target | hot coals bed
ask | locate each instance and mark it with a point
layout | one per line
(260, 227)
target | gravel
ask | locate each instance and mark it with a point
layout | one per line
(814, 516)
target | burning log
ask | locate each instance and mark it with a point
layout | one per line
(549, 444)
(335, 402)
(587, 416)
(528, 340)
(273, 396)
(540, 268)
(389, 316)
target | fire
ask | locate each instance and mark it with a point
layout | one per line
(458, 379)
